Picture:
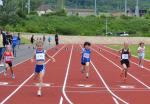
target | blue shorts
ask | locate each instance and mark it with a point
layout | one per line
(141, 56)
(84, 61)
(39, 68)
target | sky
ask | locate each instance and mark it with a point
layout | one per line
(1, 2)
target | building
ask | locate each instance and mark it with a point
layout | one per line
(44, 9)
(80, 12)
(142, 12)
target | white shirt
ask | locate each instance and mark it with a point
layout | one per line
(141, 50)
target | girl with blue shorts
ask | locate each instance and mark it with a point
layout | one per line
(85, 59)
(39, 55)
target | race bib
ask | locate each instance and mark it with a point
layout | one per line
(86, 55)
(8, 58)
(40, 56)
(125, 56)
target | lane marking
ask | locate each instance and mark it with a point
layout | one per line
(113, 94)
(61, 100)
(85, 85)
(115, 100)
(43, 85)
(3, 83)
(121, 69)
(119, 56)
(103, 81)
(9, 96)
(127, 87)
(99, 91)
(66, 77)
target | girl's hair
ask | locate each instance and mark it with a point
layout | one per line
(39, 42)
(87, 44)
(141, 43)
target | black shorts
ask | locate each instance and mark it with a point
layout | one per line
(9, 64)
(126, 62)
(82, 63)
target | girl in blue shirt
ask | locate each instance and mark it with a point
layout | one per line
(39, 55)
(85, 59)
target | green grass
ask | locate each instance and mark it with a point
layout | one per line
(133, 49)
(25, 40)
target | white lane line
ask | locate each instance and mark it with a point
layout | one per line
(66, 77)
(9, 96)
(121, 69)
(115, 100)
(119, 56)
(61, 100)
(109, 90)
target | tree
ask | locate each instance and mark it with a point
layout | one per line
(8, 12)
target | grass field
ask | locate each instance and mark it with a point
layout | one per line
(25, 40)
(133, 49)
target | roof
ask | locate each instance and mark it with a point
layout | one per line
(44, 7)
(81, 10)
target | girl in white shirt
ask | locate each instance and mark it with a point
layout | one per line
(141, 54)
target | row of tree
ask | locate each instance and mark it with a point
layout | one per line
(13, 10)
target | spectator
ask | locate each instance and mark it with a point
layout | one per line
(44, 38)
(32, 40)
(1, 45)
(9, 38)
(14, 44)
(49, 39)
(5, 40)
(57, 39)
(19, 40)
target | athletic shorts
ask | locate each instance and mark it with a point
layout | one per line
(141, 56)
(9, 64)
(126, 62)
(39, 68)
(84, 61)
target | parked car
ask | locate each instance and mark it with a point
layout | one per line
(123, 34)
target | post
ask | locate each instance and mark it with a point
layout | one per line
(137, 8)
(125, 7)
(29, 6)
(95, 7)
(106, 25)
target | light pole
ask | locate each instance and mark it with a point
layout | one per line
(95, 7)
(125, 7)
(29, 6)
(137, 8)
(106, 27)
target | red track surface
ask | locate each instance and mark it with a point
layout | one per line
(68, 85)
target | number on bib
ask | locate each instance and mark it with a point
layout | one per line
(40, 56)
(86, 55)
(125, 56)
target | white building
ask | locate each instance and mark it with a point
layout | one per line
(44, 9)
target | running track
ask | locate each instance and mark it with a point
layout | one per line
(66, 84)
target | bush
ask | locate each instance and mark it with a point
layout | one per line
(75, 25)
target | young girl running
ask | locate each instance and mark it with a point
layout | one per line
(141, 54)
(39, 56)
(8, 58)
(85, 59)
(125, 57)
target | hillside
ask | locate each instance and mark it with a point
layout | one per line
(103, 5)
